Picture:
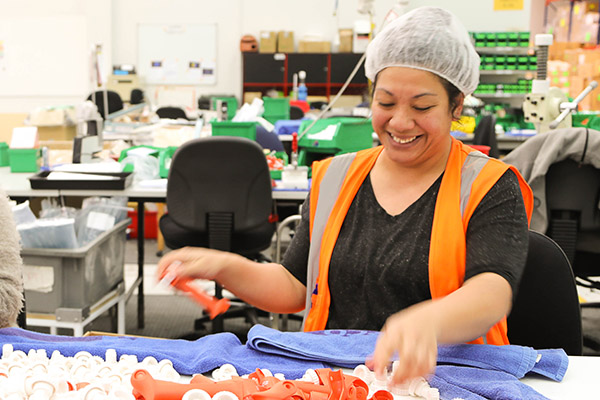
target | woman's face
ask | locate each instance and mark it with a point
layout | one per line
(412, 115)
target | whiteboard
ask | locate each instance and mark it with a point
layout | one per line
(44, 56)
(183, 54)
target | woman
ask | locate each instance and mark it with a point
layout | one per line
(419, 237)
(11, 282)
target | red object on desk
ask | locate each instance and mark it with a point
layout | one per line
(301, 104)
(150, 224)
(333, 385)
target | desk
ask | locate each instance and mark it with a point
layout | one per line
(16, 186)
(580, 382)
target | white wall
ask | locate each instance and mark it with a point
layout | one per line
(114, 23)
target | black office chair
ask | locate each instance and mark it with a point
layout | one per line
(171, 113)
(572, 196)
(136, 97)
(219, 196)
(296, 112)
(546, 312)
(114, 101)
(485, 134)
(268, 140)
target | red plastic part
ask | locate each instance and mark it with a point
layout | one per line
(333, 385)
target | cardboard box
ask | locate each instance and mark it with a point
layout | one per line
(346, 37)
(58, 132)
(268, 42)
(7, 123)
(285, 42)
(314, 46)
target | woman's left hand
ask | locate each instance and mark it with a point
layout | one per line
(413, 334)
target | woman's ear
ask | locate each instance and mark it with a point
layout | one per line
(458, 107)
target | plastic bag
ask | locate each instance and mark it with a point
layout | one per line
(98, 215)
(22, 214)
(144, 167)
(57, 233)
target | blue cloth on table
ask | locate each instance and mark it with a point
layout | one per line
(287, 127)
(188, 357)
(552, 364)
(483, 383)
(344, 348)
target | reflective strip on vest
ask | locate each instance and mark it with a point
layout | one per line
(329, 191)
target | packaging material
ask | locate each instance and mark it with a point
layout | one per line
(346, 39)
(8, 122)
(60, 280)
(311, 45)
(98, 215)
(52, 233)
(22, 213)
(285, 42)
(250, 96)
(268, 42)
(145, 167)
(361, 37)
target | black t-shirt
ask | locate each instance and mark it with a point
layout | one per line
(379, 265)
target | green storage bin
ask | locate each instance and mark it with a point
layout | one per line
(232, 105)
(276, 108)
(25, 160)
(351, 134)
(164, 160)
(4, 154)
(230, 128)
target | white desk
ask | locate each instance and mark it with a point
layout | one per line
(16, 186)
(580, 382)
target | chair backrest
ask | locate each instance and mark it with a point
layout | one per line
(136, 97)
(546, 311)
(219, 174)
(115, 103)
(171, 113)
(572, 198)
(485, 134)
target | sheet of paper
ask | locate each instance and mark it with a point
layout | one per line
(24, 137)
(326, 134)
(90, 167)
(73, 176)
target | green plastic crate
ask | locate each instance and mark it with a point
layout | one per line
(232, 105)
(164, 160)
(4, 154)
(25, 160)
(230, 128)
(276, 108)
(350, 134)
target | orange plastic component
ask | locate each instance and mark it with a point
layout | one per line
(211, 304)
(333, 385)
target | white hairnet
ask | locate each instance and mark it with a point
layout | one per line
(430, 39)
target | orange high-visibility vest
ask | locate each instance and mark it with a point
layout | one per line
(468, 176)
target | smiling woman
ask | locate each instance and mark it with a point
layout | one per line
(422, 237)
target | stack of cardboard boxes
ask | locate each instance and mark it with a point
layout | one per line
(572, 69)
(283, 42)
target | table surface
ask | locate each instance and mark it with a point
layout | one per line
(17, 185)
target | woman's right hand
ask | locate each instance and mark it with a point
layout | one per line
(195, 263)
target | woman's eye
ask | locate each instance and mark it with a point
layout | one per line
(423, 108)
(385, 104)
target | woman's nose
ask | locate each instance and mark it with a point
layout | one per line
(402, 120)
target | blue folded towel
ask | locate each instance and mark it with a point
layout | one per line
(552, 364)
(515, 360)
(344, 348)
(489, 384)
(188, 357)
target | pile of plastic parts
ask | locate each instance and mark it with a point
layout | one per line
(331, 385)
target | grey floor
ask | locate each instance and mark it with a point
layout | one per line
(173, 316)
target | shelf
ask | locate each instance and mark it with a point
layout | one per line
(501, 95)
(505, 50)
(484, 72)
